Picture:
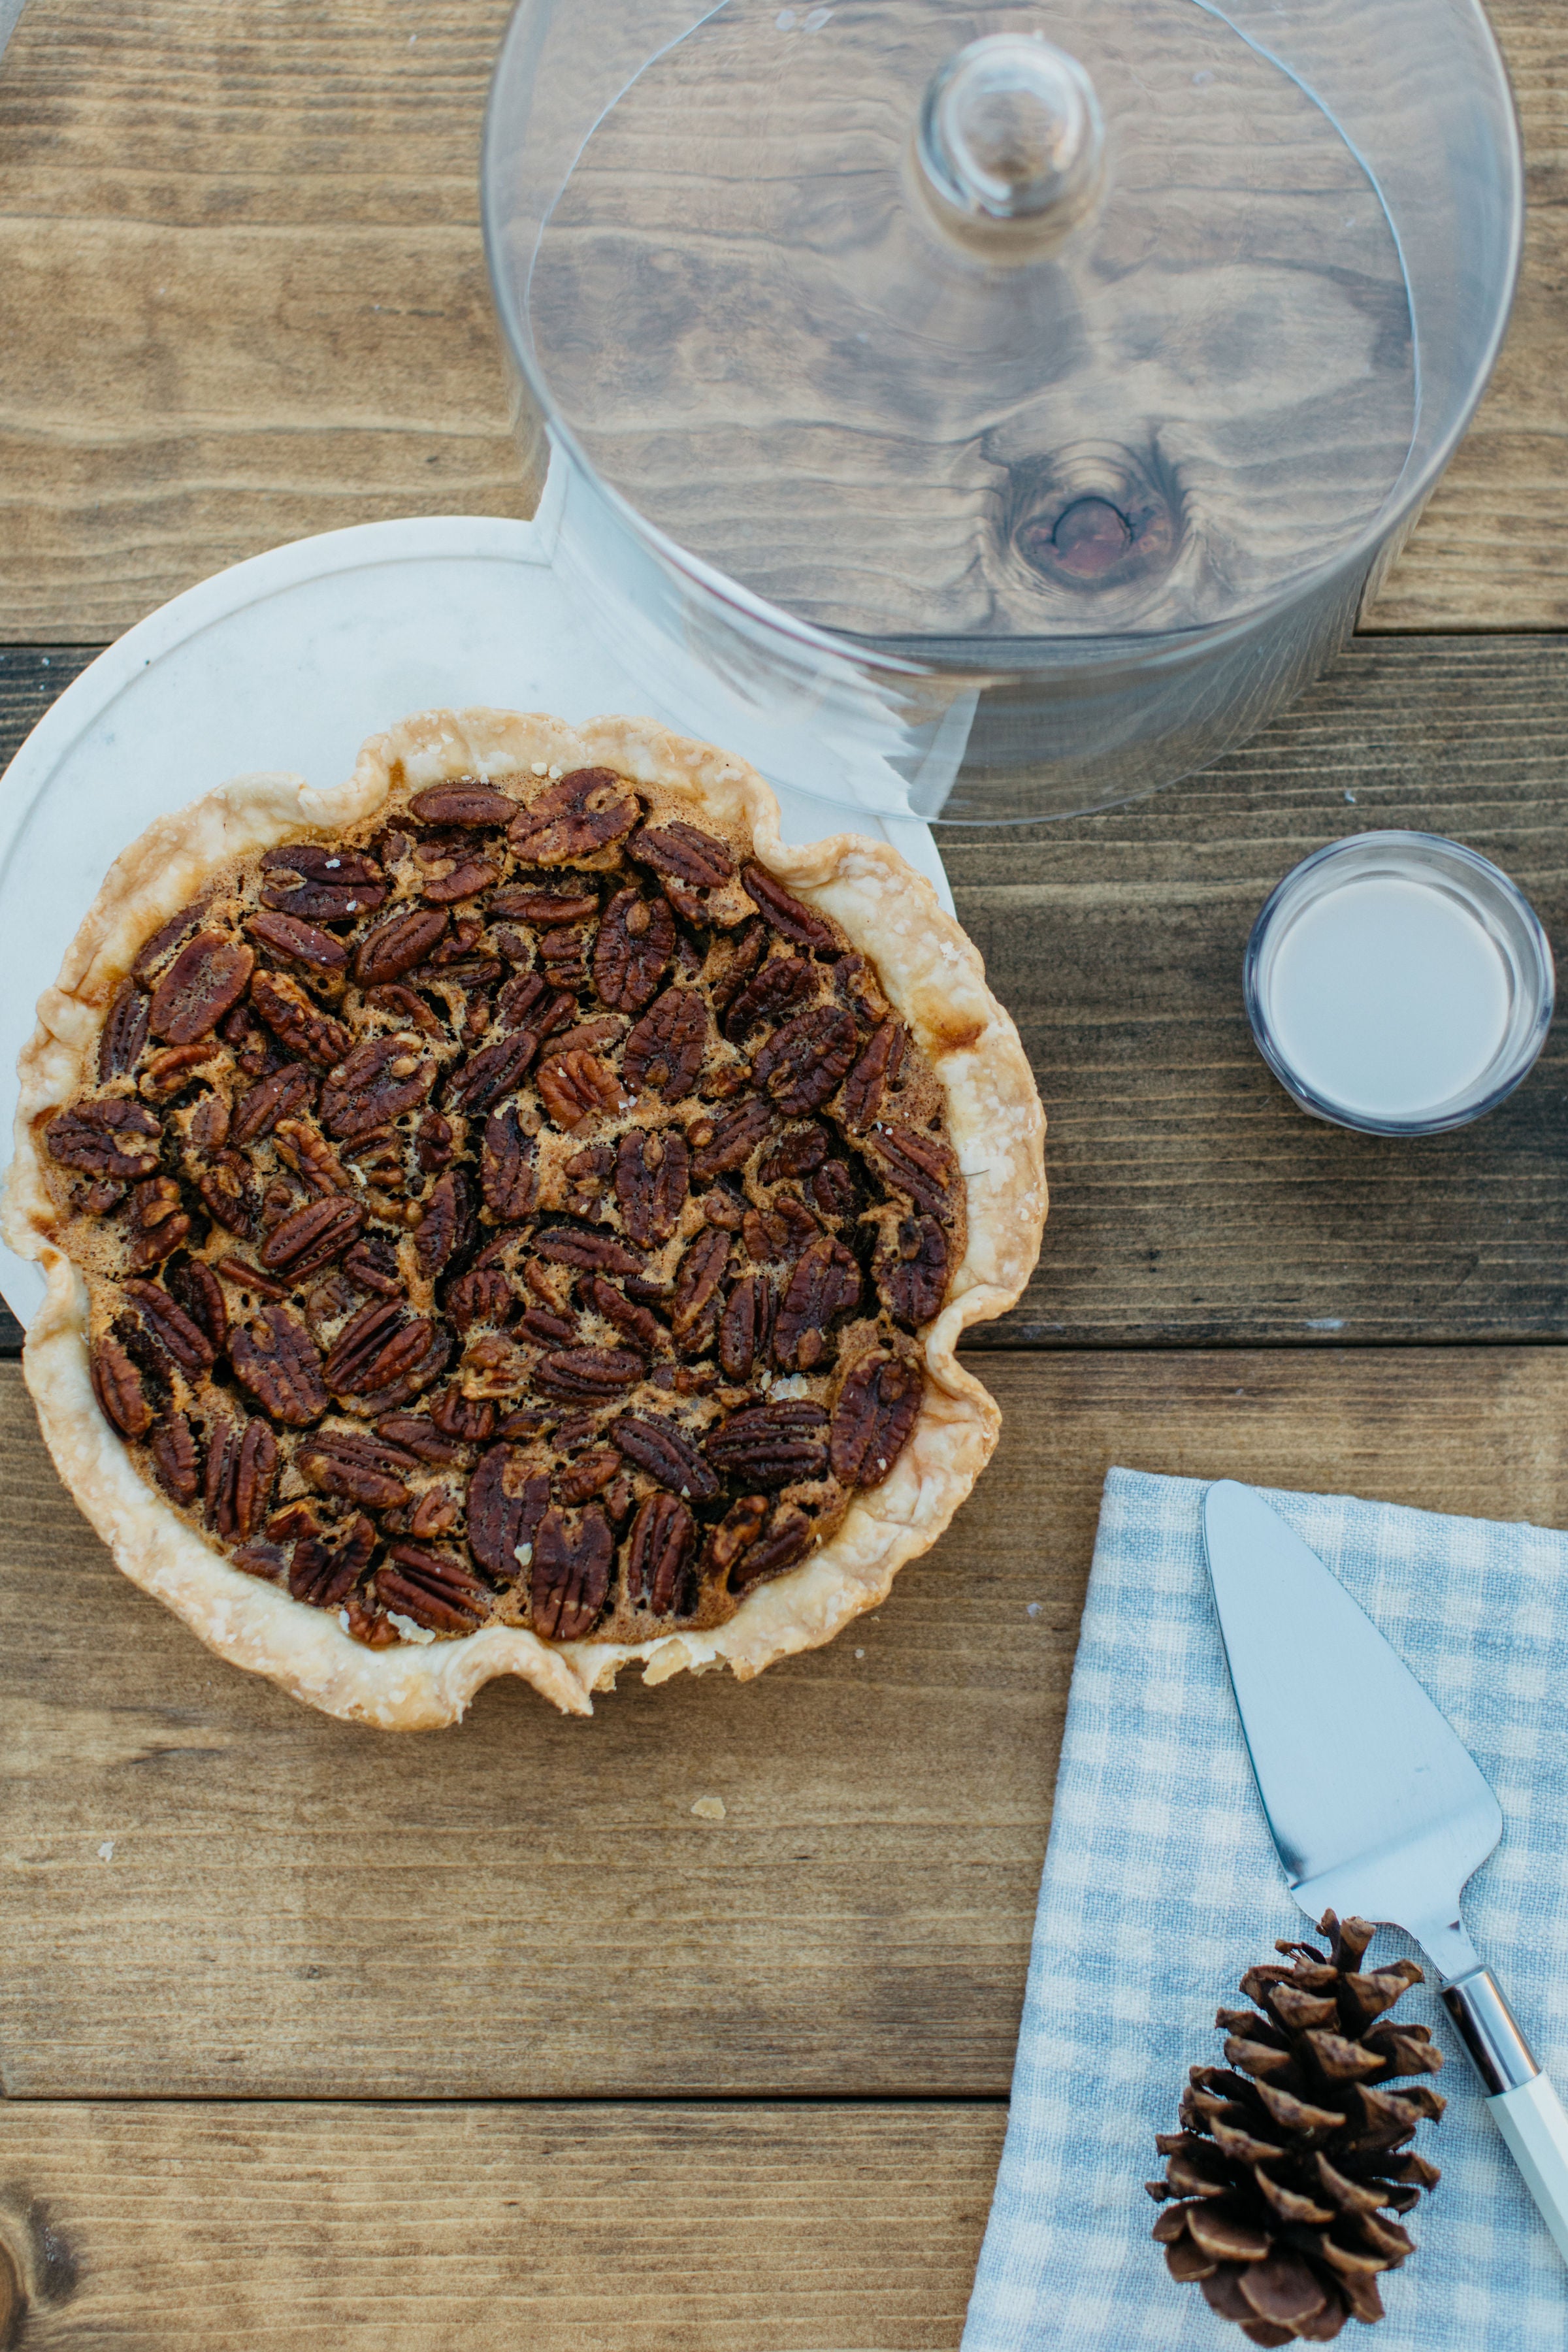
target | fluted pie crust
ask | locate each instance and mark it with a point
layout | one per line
(933, 978)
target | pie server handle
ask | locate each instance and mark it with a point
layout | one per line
(1521, 2099)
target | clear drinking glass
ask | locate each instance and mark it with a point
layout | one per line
(1422, 1001)
(988, 414)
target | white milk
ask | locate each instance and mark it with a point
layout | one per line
(1387, 997)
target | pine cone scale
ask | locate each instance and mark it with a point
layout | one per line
(1234, 2139)
(1373, 1994)
(1351, 2262)
(1186, 2264)
(1297, 2114)
(1300, 2010)
(1222, 2292)
(1365, 2301)
(1348, 2195)
(1289, 2203)
(1320, 2330)
(1187, 2181)
(1283, 2290)
(1388, 2237)
(1258, 2057)
(1342, 2061)
(1228, 2235)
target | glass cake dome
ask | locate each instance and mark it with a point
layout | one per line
(986, 414)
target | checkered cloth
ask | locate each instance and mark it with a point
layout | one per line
(1162, 1885)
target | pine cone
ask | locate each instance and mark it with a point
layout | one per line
(1284, 2178)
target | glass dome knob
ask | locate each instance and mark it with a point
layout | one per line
(1010, 145)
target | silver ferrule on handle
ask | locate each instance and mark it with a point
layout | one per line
(1491, 2036)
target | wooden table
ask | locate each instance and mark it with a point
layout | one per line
(314, 2038)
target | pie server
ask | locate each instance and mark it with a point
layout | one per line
(1374, 1804)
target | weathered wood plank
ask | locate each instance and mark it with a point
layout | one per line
(30, 678)
(467, 2229)
(259, 221)
(1491, 549)
(207, 1890)
(262, 220)
(1191, 1203)
(1190, 1200)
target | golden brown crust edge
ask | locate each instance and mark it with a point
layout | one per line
(935, 980)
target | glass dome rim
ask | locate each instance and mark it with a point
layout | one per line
(1398, 510)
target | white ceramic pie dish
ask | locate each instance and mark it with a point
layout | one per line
(288, 661)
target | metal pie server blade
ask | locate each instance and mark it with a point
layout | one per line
(1374, 1804)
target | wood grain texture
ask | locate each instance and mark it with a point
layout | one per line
(1190, 1200)
(1491, 549)
(244, 300)
(31, 676)
(207, 1890)
(244, 295)
(467, 2229)
(1191, 1204)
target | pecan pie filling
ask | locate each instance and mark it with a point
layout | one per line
(519, 1210)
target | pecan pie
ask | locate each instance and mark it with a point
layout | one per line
(512, 1214)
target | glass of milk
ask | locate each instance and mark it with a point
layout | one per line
(1398, 984)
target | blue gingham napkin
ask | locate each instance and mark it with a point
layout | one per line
(1162, 1885)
